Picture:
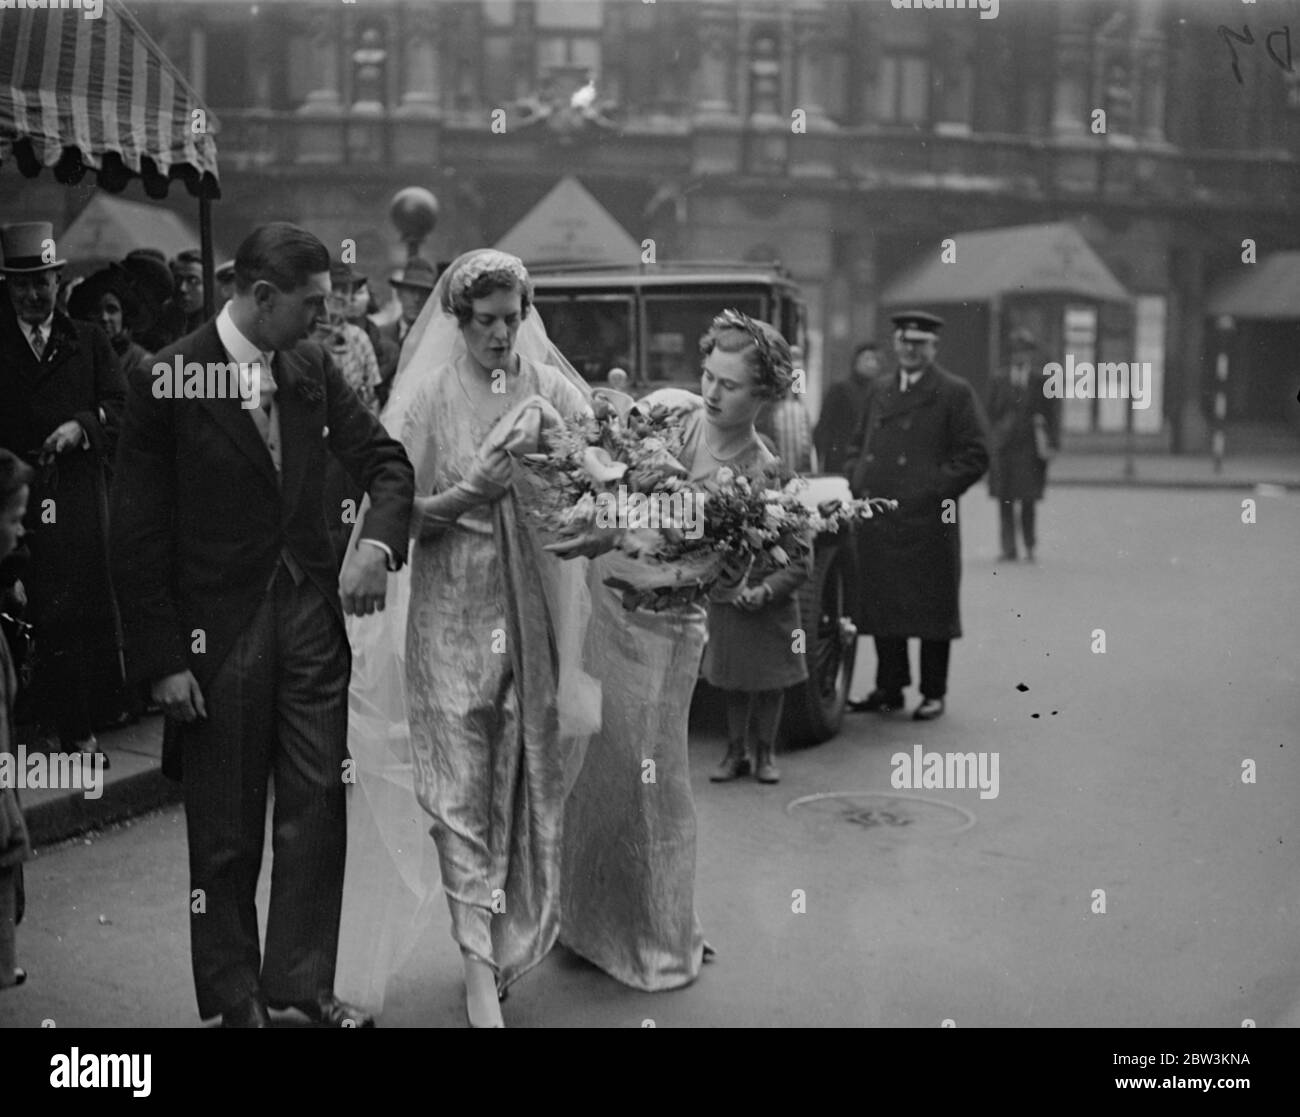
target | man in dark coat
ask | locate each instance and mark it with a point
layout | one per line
(61, 397)
(923, 441)
(230, 597)
(842, 407)
(1025, 423)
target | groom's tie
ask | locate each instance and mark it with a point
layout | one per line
(267, 417)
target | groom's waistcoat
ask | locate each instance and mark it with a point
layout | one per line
(200, 518)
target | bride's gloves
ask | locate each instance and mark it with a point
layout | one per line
(488, 479)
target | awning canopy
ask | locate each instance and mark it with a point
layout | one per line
(1268, 290)
(81, 94)
(569, 224)
(108, 228)
(1051, 259)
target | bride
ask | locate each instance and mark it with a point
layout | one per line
(469, 687)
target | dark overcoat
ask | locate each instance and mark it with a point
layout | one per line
(200, 517)
(838, 423)
(78, 377)
(1016, 471)
(920, 447)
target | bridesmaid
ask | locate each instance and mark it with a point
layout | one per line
(628, 881)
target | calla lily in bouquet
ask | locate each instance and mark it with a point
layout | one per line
(592, 457)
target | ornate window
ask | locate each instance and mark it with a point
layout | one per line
(568, 43)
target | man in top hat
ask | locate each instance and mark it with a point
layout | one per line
(413, 284)
(923, 441)
(1026, 431)
(61, 399)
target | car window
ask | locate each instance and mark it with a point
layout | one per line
(595, 332)
(675, 324)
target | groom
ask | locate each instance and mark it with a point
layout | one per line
(233, 610)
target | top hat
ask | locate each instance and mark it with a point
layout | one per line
(417, 273)
(916, 325)
(24, 245)
(346, 273)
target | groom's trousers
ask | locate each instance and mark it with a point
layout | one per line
(277, 712)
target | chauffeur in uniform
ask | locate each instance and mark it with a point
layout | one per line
(923, 441)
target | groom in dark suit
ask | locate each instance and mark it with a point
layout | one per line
(234, 612)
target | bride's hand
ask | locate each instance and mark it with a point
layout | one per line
(588, 545)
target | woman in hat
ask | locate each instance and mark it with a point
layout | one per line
(154, 286)
(109, 299)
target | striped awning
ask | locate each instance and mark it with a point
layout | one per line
(80, 94)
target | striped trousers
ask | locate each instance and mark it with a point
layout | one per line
(277, 715)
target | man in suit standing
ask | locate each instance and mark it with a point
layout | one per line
(231, 602)
(1026, 432)
(923, 441)
(841, 413)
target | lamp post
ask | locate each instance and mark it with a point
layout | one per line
(414, 213)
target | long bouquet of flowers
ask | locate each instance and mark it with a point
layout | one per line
(691, 540)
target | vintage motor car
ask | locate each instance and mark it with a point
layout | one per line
(647, 322)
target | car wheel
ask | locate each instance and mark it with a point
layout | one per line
(814, 710)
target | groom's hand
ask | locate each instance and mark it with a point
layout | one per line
(180, 697)
(363, 581)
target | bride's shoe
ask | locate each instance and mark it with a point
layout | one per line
(482, 1009)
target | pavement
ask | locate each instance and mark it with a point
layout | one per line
(1136, 868)
(1183, 471)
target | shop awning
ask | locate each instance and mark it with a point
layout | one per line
(1269, 289)
(1051, 259)
(569, 224)
(81, 94)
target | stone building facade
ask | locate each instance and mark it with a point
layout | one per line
(845, 138)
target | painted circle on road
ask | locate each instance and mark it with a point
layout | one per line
(891, 812)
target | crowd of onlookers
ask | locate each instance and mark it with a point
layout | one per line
(68, 347)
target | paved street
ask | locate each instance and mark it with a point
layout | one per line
(1119, 771)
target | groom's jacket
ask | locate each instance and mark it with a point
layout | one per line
(199, 519)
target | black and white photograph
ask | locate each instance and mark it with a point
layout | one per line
(651, 514)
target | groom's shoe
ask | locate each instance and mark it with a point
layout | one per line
(879, 702)
(327, 1011)
(929, 709)
(249, 1013)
